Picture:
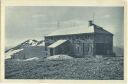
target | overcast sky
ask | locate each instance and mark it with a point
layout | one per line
(33, 22)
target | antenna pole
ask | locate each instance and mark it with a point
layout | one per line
(93, 17)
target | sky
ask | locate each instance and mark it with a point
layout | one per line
(34, 22)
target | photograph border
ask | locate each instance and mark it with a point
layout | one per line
(100, 3)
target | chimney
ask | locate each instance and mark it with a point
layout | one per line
(90, 22)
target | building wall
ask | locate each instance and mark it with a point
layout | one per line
(86, 44)
(103, 38)
(80, 44)
(103, 44)
(81, 49)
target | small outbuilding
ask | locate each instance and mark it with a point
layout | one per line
(59, 47)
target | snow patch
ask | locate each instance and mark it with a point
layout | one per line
(59, 57)
(30, 59)
(31, 42)
(11, 52)
(42, 44)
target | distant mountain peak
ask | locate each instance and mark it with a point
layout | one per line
(30, 42)
(20, 49)
(27, 43)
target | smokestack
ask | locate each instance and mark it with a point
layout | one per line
(90, 23)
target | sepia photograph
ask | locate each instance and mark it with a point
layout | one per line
(64, 42)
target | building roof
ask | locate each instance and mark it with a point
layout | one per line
(73, 30)
(99, 29)
(79, 30)
(57, 43)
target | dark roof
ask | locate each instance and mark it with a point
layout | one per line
(99, 29)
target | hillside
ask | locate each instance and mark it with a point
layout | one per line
(108, 68)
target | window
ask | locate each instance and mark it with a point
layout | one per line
(86, 36)
(77, 48)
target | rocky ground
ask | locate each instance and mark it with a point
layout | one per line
(106, 68)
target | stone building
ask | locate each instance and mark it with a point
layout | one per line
(80, 41)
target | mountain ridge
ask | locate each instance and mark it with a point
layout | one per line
(27, 49)
(27, 43)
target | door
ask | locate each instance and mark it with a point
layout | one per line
(51, 51)
(87, 49)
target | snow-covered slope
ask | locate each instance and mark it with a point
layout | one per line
(30, 43)
(11, 53)
(27, 43)
(25, 50)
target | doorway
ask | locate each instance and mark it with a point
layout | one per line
(51, 51)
